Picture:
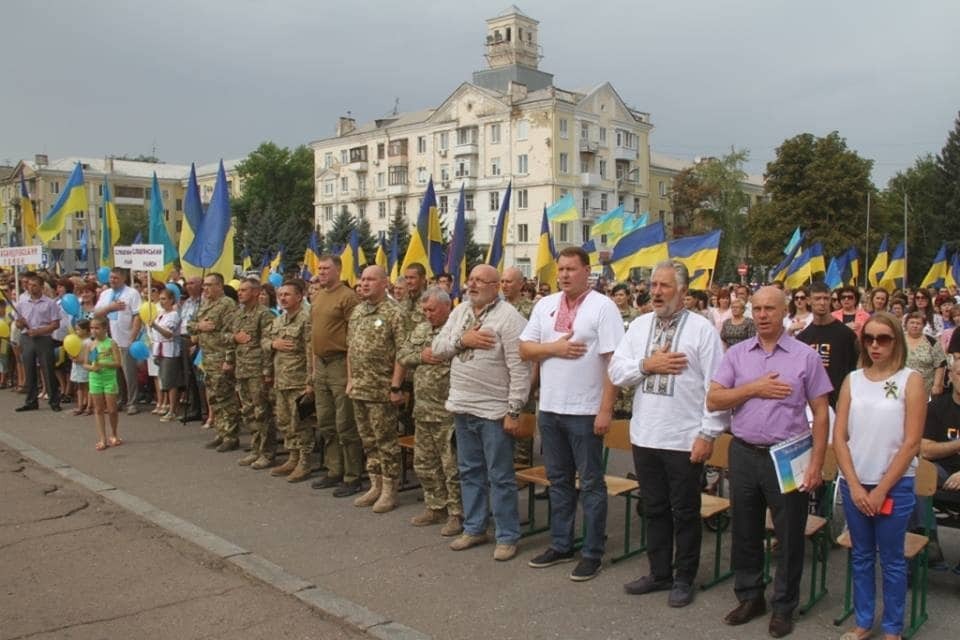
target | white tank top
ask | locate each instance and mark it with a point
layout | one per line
(875, 427)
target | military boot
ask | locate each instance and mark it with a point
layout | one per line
(388, 497)
(372, 494)
(301, 472)
(287, 466)
(429, 517)
(454, 526)
(248, 459)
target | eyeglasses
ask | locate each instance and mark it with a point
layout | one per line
(882, 339)
(847, 296)
(479, 281)
(799, 297)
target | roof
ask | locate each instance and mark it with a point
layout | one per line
(512, 10)
(671, 163)
(6, 171)
(131, 168)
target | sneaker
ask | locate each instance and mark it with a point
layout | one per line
(132, 410)
(647, 584)
(549, 558)
(168, 417)
(466, 540)
(262, 463)
(680, 595)
(586, 569)
(504, 552)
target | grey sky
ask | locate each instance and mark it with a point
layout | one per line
(209, 79)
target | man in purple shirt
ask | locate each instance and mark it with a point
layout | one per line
(766, 382)
(39, 317)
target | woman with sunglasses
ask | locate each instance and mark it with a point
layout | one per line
(800, 315)
(850, 313)
(932, 322)
(880, 417)
(924, 354)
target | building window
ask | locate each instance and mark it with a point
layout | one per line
(495, 133)
(636, 205)
(586, 163)
(179, 203)
(603, 136)
(328, 212)
(444, 173)
(494, 166)
(55, 187)
(522, 199)
(344, 156)
(564, 163)
(344, 210)
(585, 230)
(444, 140)
(603, 202)
(402, 207)
(563, 129)
(584, 130)
(603, 169)
(522, 164)
(662, 215)
(179, 226)
(522, 233)
(100, 190)
(422, 175)
(397, 148)
(328, 187)
(421, 144)
(603, 238)
(397, 175)
(467, 135)
(358, 154)
(344, 185)
(524, 265)
(468, 201)
(662, 189)
(328, 159)
(166, 215)
(494, 201)
(381, 151)
(463, 169)
(361, 211)
(443, 205)
(523, 128)
(585, 203)
(562, 232)
(361, 183)
(382, 210)
(166, 194)
(380, 180)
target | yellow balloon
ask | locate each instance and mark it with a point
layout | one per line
(4, 328)
(148, 312)
(73, 345)
(235, 284)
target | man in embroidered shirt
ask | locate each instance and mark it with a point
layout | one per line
(572, 334)
(671, 356)
(767, 381)
(120, 304)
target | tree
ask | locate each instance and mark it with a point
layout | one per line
(276, 206)
(474, 253)
(339, 234)
(400, 228)
(817, 184)
(133, 220)
(368, 242)
(948, 189)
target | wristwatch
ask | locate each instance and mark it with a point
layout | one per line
(513, 415)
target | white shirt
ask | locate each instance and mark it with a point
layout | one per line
(575, 387)
(121, 322)
(669, 411)
(166, 347)
(875, 424)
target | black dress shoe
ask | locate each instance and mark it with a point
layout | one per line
(326, 482)
(780, 625)
(746, 611)
(193, 417)
(54, 407)
(347, 489)
(27, 407)
(647, 584)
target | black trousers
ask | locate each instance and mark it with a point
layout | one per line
(34, 349)
(753, 488)
(670, 486)
(191, 396)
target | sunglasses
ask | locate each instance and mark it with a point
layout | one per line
(847, 297)
(799, 297)
(883, 339)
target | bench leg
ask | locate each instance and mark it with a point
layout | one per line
(723, 522)
(629, 552)
(532, 528)
(918, 594)
(847, 593)
(820, 548)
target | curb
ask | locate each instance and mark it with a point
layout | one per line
(325, 602)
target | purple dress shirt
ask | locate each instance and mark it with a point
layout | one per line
(39, 312)
(763, 421)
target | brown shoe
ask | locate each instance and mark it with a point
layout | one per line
(262, 463)
(228, 445)
(287, 467)
(429, 517)
(248, 459)
(454, 527)
(746, 611)
(504, 552)
(780, 625)
(388, 497)
(301, 472)
(213, 444)
(373, 493)
(466, 540)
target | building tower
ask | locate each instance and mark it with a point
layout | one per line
(513, 53)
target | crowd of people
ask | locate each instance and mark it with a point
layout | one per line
(326, 378)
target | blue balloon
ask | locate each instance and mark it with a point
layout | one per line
(173, 288)
(275, 279)
(103, 275)
(70, 305)
(139, 351)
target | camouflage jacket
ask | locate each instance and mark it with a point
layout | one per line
(373, 336)
(250, 359)
(411, 308)
(290, 368)
(431, 382)
(524, 306)
(218, 344)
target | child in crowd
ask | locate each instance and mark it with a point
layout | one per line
(166, 353)
(79, 375)
(101, 358)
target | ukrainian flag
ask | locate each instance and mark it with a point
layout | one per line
(457, 259)
(609, 224)
(593, 254)
(853, 265)
(953, 275)
(779, 272)
(382, 260)
(633, 223)
(894, 276)
(27, 215)
(563, 210)
(212, 247)
(937, 275)
(426, 236)
(835, 271)
(644, 247)
(246, 260)
(700, 280)
(109, 227)
(794, 242)
(546, 267)
(158, 231)
(311, 257)
(697, 252)
(394, 259)
(498, 242)
(352, 259)
(817, 264)
(808, 263)
(193, 217)
(72, 198)
(879, 264)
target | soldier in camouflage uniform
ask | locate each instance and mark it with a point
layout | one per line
(623, 406)
(511, 286)
(253, 369)
(415, 279)
(377, 328)
(434, 455)
(211, 330)
(288, 343)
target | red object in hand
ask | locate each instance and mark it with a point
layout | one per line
(887, 507)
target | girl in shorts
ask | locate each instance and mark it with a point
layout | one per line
(102, 359)
(79, 375)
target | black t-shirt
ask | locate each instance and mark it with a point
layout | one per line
(943, 425)
(954, 346)
(836, 343)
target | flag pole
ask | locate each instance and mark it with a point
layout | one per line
(905, 264)
(866, 252)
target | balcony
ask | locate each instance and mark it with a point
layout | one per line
(398, 189)
(624, 153)
(357, 166)
(470, 215)
(466, 149)
(590, 179)
(468, 181)
(359, 194)
(589, 146)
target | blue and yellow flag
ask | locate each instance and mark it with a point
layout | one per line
(382, 259)
(28, 216)
(953, 275)
(794, 242)
(609, 224)
(632, 223)
(700, 280)
(879, 264)
(425, 236)
(353, 259)
(545, 269)
(852, 257)
(644, 247)
(836, 270)
(246, 260)
(73, 198)
(498, 243)
(590, 247)
(563, 210)
(158, 231)
(937, 275)
(894, 276)
(697, 252)
(457, 259)
(807, 264)
(311, 255)
(779, 272)
(394, 258)
(212, 246)
(109, 227)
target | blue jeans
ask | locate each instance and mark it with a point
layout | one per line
(485, 459)
(883, 535)
(571, 447)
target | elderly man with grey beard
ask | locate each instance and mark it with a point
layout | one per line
(670, 356)
(489, 385)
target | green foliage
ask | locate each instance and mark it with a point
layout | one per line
(339, 233)
(948, 189)
(368, 242)
(133, 220)
(474, 253)
(400, 228)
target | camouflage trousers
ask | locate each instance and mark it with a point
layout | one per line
(342, 450)
(257, 412)
(435, 462)
(298, 435)
(222, 398)
(377, 424)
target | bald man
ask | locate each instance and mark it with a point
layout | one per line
(767, 381)
(511, 287)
